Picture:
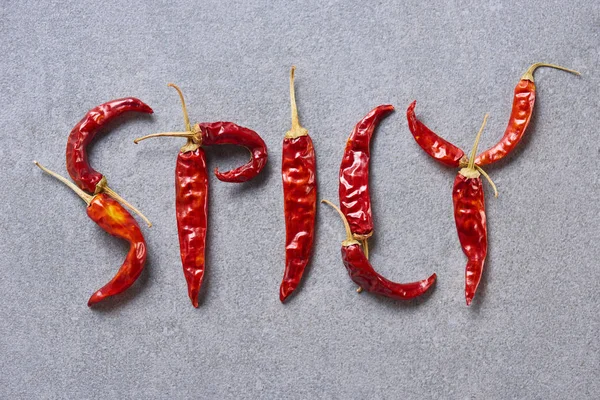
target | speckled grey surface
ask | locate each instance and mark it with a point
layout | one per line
(532, 332)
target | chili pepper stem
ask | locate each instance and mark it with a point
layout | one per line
(193, 136)
(297, 130)
(528, 75)
(86, 197)
(472, 170)
(349, 239)
(188, 135)
(476, 144)
(114, 195)
(491, 182)
(186, 118)
(365, 246)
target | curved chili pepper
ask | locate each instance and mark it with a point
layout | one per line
(214, 133)
(355, 200)
(437, 147)
(86, 177)
(469, 215)
(300, 199)
(520, 115)
(362, 273)
(191, 181)
(115, 220)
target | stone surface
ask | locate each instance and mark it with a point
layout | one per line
(532, 331)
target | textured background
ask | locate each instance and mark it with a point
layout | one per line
(533, 329)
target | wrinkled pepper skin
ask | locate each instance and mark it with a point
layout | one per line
(469, 215)
(114, 219)
(363, 274)
(520, 115)
(191, 205)
(355, 199)
(300, 207)
(216, 133)
(437, 147)
(84, 133)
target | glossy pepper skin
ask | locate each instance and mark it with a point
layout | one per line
(84, 133)
(362, 273)
(215, 133)
(520, 115)
(115, 220)
(434, 145)
(191, 205)
(355, 200)
(469, 215)
(191, 185)
(522, 109)
(468, 199)
(298, 174)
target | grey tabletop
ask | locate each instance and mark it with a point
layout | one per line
(532, 331)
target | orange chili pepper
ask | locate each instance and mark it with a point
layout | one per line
(115, 220)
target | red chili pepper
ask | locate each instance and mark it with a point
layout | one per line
(300, 199)
(86, 177)
(438, 148)
(522, 108)
(191, 205)
(355, 200)
(469, 215)
(467, 195)
(114, 219)
(191, 182)
(214, 133)
(362, 273)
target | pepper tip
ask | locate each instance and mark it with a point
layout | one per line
(95, 298)
(285, 290)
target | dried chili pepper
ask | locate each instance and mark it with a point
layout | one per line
(191, 183)
(438, 148)
(115, 220)
(355, 200)
(362, 273)
(86, 177)
(469, 215)
(191, 205)
(467, 195)
(300, 199)
(215, 133)
(522, 109)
